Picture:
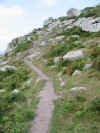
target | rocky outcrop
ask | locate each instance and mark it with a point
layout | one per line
(88, 24)
(77, 72)
(74, 55)
(73, 13)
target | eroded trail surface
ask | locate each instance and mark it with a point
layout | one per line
(45, 107)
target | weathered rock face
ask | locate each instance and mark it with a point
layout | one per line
(88, 24)
(73, 13)
(17, 41)
(74, 55)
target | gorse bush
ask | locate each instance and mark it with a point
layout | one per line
(75, 65)
(11, 119)
(95, 104)
(23, 46)
(11, 79)
(76, 31)
(63, 48)
(95, 56)
(91, 11)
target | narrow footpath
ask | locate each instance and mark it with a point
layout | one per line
(44, 112)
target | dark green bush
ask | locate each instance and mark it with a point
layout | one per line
(76, 31)
(95, 104)
(90, 11)
(23, 46)
(12, 120)
(61, 49)
(63, 18)
(75, 65)
(95, 56)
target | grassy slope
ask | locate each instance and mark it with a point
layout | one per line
(79, 113)
(72, 114)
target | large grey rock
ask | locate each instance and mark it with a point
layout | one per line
(73, 13)
(43, 43)
(56, 59)
(2, 90)
(3, 62)
(16, 91)
(4, 68)
(68, 22)
(62, 84)
(59, 38)
(88, 24)
(77, 72)
(74, 55)
(77, 91)
(87, 66)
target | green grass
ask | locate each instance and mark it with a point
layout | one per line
(74, 113)
(90, 12)
(18, 110)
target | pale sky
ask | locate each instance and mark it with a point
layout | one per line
(18, 17)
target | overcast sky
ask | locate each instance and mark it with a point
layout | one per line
(18, 17)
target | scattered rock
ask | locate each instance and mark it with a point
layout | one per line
(77, 90)
(60, 74)
(62, 84)
(56, 60)
(75, 36)
(68, 22)
(3, 62)
(2, 90)
(4, 68)
(15, 91)
(59, 38)
(74, 55)
(77, 72)
(87, 66)
(43, 43)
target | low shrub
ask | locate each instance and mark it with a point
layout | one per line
(10, 80)
(95, 104)
(63, 48)
(95, 56)
(75, 65)
(23, 46)
(76, 31)
(90, 12)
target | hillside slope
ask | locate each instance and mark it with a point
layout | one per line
(68, 50)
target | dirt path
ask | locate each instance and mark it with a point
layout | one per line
(45, 107)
